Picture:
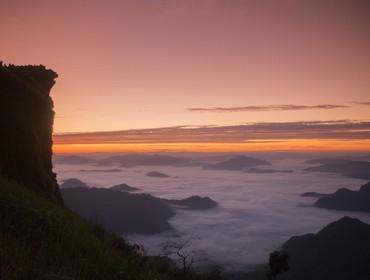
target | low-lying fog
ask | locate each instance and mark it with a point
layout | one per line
(256, 212)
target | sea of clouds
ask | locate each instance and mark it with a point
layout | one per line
(256, 212)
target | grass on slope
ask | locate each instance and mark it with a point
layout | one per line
(41, 240)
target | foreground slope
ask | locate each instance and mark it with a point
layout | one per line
(340, 251)
(41, 240)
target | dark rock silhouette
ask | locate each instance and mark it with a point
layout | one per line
(350, 169)
(117, 210)
(313, 194)
(267, 171)
(131, 160)
(73, 183)
(157, 174)
(344, 199)
(340, 251)
(72, 159)
(120, 212)
(237, 163)
(124, 188)
(26, 121)
(194, 202)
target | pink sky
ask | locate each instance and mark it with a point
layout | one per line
(144, 63)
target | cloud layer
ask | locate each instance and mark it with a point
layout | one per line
(284, 107)
(366, 103)
(255, 216)
(342, 130)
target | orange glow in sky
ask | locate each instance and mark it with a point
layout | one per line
(139, 64)
(294, 145)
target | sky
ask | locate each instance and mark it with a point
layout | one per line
(155, 64)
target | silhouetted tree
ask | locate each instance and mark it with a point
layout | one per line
(278, 264)
(179, 250)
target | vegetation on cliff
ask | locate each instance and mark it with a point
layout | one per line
(41, 240)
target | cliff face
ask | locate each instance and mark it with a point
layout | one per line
(26, 124)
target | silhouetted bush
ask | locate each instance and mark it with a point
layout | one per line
(278, 264)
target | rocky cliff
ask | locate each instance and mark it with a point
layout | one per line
(26, 123)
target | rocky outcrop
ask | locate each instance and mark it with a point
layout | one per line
(313, 194)
(26, 122)
(157, 174)
(73, 183)
(194, 202)
(124, 188)
(347, 200)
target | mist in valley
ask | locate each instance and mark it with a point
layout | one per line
(256, 212)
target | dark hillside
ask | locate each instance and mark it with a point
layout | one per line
(41, 240)
(341, 251)
(120, 212)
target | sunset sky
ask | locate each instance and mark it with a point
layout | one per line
(213, 75)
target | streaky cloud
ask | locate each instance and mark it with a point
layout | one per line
(366, 103)
(284, 107)
(264, 131)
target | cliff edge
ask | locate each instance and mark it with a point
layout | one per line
(26, 123)
(38, 238)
